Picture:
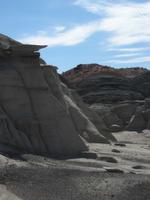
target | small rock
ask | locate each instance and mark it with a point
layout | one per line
(115, 127)
(132, 172)
(115, 150)
(114, 170)
(108, 159)
(90, 155)
(138, 167)
(120, 144)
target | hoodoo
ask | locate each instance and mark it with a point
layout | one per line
(38, 113)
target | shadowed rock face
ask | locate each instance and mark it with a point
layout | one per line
(102, 84)
(38, 113)
(119, 96)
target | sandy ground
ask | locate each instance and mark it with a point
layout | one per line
(131, 154)
(120, 172)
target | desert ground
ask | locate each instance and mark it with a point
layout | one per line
(121, 171)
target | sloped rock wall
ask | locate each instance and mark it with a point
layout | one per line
(37, 113)
(87, 122)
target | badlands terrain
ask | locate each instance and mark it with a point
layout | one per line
(119, 172)
(82, 135)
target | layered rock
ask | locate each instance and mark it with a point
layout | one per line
(142, 84)
(38, 113)
(117, 95)
(83, 71)
(102, 84)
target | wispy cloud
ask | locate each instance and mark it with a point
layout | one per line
(91, 6)
(143, 59)
(63, 37)
(131, 49)
(128, 22)
(127, 55)
(59, 29)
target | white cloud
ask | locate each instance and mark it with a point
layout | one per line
(131, 60)
(59, 29)
(92, 6)
(126, 55)
(138, 49)
(128, 22)
(69, 37)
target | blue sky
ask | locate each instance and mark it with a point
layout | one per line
(110, 32)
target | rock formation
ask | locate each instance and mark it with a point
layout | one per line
(38, 113)
(119, 96)
(102, 84)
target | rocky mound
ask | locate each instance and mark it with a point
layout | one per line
(102, 84)
(82, 71)
(38, 113)
(119, 96)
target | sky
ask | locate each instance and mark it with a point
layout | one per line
(108, 32)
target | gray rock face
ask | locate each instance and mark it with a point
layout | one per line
(137, 123)
(37, 112)
(142, 84)
(117, 95)
(103, 84)
(107, 89)
(132, 115)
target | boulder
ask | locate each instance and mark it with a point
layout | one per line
(137, 123)
(112, 121)
(124, 111)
